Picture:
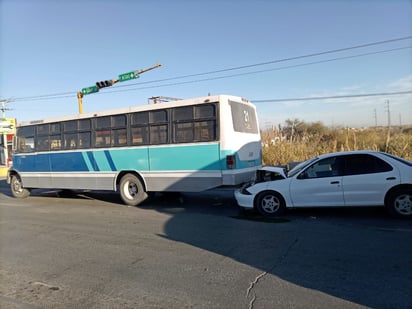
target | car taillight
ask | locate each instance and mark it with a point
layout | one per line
(231, 161)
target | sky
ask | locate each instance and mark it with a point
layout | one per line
(268, 51)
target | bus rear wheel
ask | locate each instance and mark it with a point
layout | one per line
(17, 189)
(131, 190)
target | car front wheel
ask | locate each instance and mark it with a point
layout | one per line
(400, 203)
(270, 204)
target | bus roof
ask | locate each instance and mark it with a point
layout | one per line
(136, 108)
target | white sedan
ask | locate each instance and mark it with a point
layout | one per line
(352, 178)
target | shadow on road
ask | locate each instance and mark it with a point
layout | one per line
(352, 254)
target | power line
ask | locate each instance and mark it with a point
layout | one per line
(285, 59)
(334, 97)
(70, 94)
(253, 72)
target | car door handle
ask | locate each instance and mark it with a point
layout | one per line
(391, 178)
(334, 183)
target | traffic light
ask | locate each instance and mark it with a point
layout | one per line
(105, 83)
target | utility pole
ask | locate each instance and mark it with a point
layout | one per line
(388, 137)
(3, 106)
(389, 114)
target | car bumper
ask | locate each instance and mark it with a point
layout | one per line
(243, 200)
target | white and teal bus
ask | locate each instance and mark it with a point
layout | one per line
(186, 145)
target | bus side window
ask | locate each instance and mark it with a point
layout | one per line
(140, 135)
(25, 144)
(84, 139)
(119, 137)
(118, 130)
(205, 125)
(158, 134)
(102, 133)
(205, 131)
(139, 128)
(70, 140)
(55, 142)
(102, 138)
(159, 127)
(42, 143)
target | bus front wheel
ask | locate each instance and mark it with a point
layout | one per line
(131, 190)
(17, 188)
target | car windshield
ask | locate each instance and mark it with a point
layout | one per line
(300, 167)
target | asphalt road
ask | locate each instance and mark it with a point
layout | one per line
(195, 251)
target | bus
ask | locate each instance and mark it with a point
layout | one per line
(188, 145)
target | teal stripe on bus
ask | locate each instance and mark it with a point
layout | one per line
(185, 157)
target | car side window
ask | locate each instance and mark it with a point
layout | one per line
(328, 167)
(358, 164)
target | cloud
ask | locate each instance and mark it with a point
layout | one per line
(402, 84)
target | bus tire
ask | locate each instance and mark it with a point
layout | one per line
(131, 190)
(17, 189)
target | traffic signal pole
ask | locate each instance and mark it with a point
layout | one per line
(107, 83)
(80, 101)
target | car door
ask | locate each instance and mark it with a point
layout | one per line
(366, 180)
(320, 184)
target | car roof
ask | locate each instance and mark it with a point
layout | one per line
(342, 153)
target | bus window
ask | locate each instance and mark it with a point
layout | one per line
(55, 142)
(139, 130)
(140, 135)
(158, 131)
(205, 131)
(42, 143)
(102, 138)
(194, 123)
(140, 118)
(84, 125)
(70, 140)
(244, 118)
(25, 139)
(103, 122)
(70, 126)
(158, 116)
(119, 137)
(84, 139)
(102, 133)
(158, 134)
(205, 111)
(184, 132)
(183, 113)
(118, 121)
(43, 129)
(55, 128)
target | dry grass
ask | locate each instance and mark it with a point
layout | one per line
(286, 145)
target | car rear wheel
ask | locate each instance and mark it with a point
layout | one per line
(131, 190)
(400, 203)
(270, 204)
